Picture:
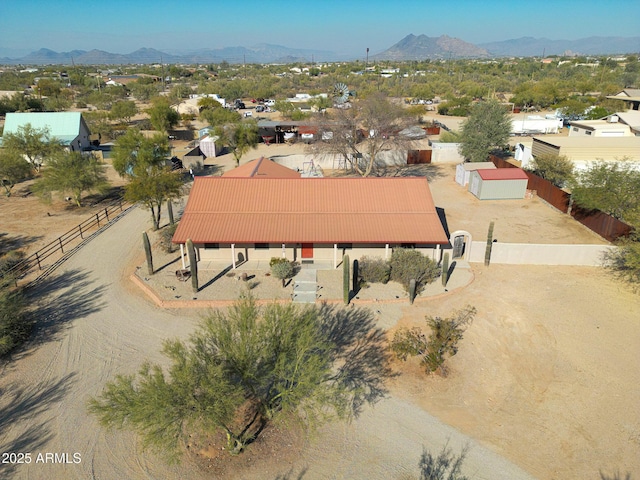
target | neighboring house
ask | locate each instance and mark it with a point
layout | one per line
(262, 168)
(631, 96)
(67, 127)
(583, 150)
(498, 184)
(232, 220)
(611, 127)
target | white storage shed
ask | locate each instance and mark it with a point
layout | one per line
(463, 170)
(498, 184)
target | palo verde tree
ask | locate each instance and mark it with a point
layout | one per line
(161, 115)
(13, 169)
(72, 173)
(487, 128)
(35, 144)
(361, 133)
(611, 187)
(143, 162)
(123, 110)
(246, 368)
(239, 137)
(558, 169)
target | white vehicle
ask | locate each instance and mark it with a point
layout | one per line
(248, 114)
(269, 103)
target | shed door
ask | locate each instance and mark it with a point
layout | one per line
(474, 184)
(307, 250)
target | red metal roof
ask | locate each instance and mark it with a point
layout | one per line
(503, 174)
(262, 167)
(310, 210)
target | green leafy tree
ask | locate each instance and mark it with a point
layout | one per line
(558, 169)
(246, 368)
(219, 116)
(72, 173)
(34, 143)
(611, 187)
(13, 169)
(445, 333)
(123, 110)
(143, 161)
(162, 116)
(487, 128)
(624, 261)
(239, 137)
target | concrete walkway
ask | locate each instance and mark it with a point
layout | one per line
(305, 286)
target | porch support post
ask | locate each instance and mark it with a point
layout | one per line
(335, 255)
(233, 255)
(284, 251)
(184, 267)
(438, 254)
(386, 251)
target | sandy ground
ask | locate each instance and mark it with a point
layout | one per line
(545, 385)
(546, 380)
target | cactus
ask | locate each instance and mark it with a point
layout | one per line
(445, 269)
(355, 285)
(193, 265)
(170, 212)
(487, 252)
(345, 279)
(412, 291)
(147, 252)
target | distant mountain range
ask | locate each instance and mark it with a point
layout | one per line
(411, 47)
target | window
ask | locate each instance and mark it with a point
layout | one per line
(575, 129)
(211, 246)
(261, 246)
(588, 132)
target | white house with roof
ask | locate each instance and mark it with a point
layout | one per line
(67, 127)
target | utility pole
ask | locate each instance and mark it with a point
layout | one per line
(366, 65)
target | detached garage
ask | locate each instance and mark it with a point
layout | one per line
(463, 170)
(498, 184)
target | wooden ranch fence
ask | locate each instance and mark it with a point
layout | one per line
(38, 261)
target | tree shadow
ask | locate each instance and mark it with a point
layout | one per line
(615, 476)
(15, 242)
(360, 353)
(290, 475)
(23, 405)
(58, 300)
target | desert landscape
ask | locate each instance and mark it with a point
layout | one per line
(545, 384)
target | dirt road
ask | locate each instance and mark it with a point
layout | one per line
(93, 326)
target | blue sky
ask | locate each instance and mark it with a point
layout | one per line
(122, 26)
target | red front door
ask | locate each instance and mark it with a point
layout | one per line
(307, 250)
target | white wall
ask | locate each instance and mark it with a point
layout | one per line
(445, 153)
(539, 254)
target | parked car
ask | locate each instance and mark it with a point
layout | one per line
(269, 103)
(260, 108)
(248, 114)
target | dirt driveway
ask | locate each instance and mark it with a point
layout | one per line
(544, 381)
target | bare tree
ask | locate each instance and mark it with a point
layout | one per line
(361, 133)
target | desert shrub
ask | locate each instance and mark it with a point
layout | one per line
(374, 270)
(442, 340)
(408, 264)
(10, 260)
(281, 268)
(166, 234)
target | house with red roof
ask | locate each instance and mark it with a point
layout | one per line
(262, 168)
(310, 220)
